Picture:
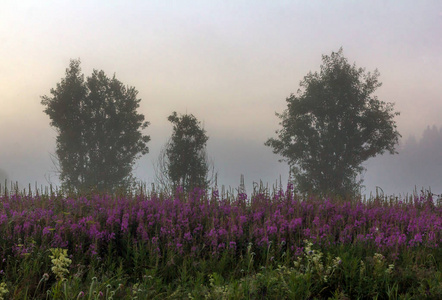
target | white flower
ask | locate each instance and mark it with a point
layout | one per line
(3, 290)
(390, 269)
(60, 262)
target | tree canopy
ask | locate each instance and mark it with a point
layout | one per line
(332, 125)
(185, 156)
(99, 130)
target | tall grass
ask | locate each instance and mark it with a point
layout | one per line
(276, 245)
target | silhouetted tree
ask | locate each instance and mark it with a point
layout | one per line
(99, 129)
(183, 161)
(332, 125)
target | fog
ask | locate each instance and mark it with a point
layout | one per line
(231, 64)
(3, 177)
(417, 167)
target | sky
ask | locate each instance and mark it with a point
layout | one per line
(231, 64)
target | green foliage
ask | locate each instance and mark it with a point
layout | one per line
(99, 130)
(332, 125)
(185, 154)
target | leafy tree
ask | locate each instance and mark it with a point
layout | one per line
(99, 129)
(332, 125)
(183, 162)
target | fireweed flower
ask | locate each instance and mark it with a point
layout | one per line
(197, 223)
(188, 236)
(125, 223)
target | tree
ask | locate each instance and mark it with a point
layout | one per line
(99, 129)
(183, 161)
(332, 125)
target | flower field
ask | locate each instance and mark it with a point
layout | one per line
(203, 246)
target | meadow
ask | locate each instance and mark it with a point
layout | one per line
(203, 245)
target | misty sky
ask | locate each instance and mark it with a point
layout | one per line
(231, 64)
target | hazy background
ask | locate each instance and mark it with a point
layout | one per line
(231, 64)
